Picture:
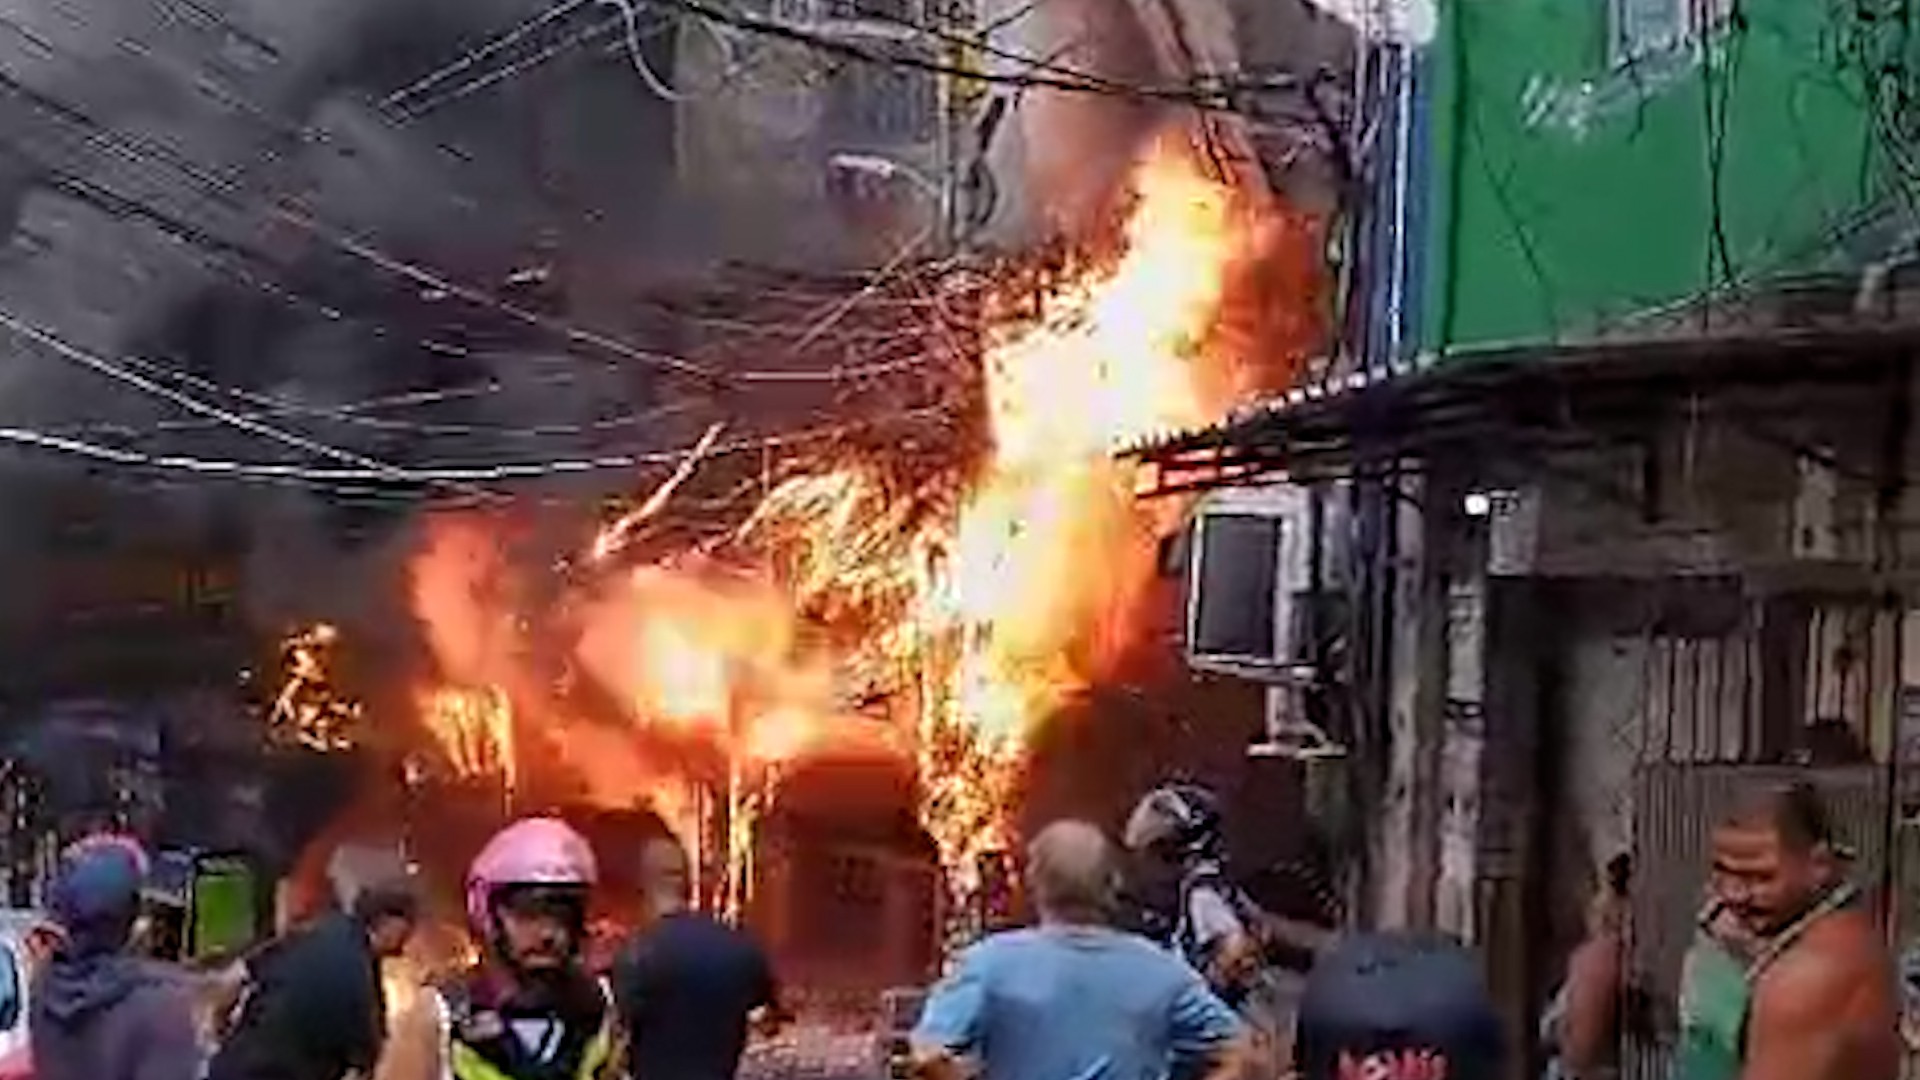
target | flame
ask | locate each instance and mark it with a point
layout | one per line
(309, 709)
(474, 727)
(973, 608)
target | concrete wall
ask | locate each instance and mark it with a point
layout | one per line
(762, 119)
(755, 141)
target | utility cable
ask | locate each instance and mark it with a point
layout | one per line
(473, 56)
(636, 55)
(351, 415)
(1058, 78)
(451, 474)
(122, 374)
(393, 265)
(578, 39)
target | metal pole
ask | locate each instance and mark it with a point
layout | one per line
(1888, 498)
(953, 21)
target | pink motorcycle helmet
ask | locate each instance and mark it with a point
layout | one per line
(538, 851)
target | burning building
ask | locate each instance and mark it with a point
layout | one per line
(833, 702)
(825, 652)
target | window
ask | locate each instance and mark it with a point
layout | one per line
(879, 103)
(1642, 28)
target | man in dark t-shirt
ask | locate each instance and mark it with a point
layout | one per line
(689, 985)
(313, 1006)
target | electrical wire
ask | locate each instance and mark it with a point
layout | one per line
(577, 39)
(1719, 256)
(839, 310)
(1046, 74)
(452, 474)
(630, 16)
(72, 353)
(267, 405)
(341, 240)
(1516, 223)
(473, 56)
(352, 245)
(360, 248)
(1088, 81)
(368, 252)
(581, 38)
(423, 275)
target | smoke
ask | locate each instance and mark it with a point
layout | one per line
(163, 242)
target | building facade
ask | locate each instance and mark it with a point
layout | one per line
(920, 126)
(1624, 405)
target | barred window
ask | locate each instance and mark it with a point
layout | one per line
(878, 103)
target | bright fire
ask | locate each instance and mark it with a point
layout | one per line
(973, 611)
(309, 710)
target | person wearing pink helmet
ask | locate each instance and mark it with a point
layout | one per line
(528, 1009)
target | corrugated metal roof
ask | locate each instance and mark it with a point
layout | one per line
(1332, 407)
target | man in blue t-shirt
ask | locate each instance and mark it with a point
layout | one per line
(1074, 998)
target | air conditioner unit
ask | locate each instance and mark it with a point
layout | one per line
(1249, 583)
(1247, 572)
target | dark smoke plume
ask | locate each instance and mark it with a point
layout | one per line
(145, 146)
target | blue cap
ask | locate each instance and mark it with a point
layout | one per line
(96, 896)
(1397, 1005)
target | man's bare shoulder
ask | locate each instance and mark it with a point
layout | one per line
(1830, 957)
(1839, 961)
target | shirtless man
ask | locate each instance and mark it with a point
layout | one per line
(1791, 979)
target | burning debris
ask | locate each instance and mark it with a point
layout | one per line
(309, 710)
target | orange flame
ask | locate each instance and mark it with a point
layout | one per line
(309, 710)
(975, 611)
(474, 727)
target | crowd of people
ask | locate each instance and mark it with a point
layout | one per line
(1789, 976)
(312, 1005)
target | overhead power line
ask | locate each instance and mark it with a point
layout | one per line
(1044, 74)
(72, 353)
(577, 39)
(449, 474)
(226, 191)
(355, 414)
(466, 60)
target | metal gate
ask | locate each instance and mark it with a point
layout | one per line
(1812, 680)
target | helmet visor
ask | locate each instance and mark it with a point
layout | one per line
(568, 903)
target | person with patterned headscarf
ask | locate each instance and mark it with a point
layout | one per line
(100, 1012)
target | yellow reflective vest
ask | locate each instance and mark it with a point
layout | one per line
(463, 1062)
